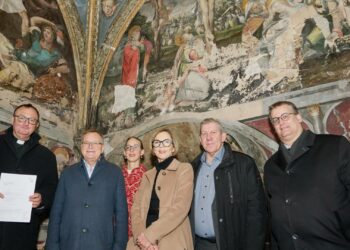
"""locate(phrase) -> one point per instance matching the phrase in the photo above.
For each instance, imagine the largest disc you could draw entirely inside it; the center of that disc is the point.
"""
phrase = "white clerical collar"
(20, 142)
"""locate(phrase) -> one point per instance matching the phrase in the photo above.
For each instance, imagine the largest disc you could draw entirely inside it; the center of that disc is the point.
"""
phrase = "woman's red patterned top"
(132, 183)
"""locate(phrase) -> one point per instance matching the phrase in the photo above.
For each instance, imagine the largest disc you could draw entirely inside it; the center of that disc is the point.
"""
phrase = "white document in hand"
(16, 188)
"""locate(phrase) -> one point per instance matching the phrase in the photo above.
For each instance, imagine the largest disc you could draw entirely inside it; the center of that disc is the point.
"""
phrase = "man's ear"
(223, 137)
(299, 118)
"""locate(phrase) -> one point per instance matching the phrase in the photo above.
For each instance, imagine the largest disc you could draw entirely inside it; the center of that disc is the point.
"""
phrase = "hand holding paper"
(36, 199)
(15, 205)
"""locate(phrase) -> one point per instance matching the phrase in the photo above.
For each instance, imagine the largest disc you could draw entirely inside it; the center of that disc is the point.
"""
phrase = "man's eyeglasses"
(132, 147)
(210, 133)
(283, 117)
(165, 143)
(23, 119)
(92, 144)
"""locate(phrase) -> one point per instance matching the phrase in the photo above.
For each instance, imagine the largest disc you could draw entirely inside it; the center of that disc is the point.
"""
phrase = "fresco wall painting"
(35, 52)
(197, 56)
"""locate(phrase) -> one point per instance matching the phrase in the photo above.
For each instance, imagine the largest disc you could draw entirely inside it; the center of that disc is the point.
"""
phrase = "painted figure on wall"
(131, 57)
(207, 16)
(12, 71)
(161, 18)
(33, 50)
(193, 85)
(108, 15)
(147, 52)
(44, 51)
(132, 63)
(190, 68)
(189, 82)
(44, 58)
(283, 38)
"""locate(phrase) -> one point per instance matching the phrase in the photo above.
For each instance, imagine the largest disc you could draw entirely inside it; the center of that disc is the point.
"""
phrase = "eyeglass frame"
(162, 143)
(282, 117)
(23, 119)
(133, 147)
(92, 144)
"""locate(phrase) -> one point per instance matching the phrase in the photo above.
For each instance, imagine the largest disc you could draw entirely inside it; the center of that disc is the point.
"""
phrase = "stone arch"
(250, 140)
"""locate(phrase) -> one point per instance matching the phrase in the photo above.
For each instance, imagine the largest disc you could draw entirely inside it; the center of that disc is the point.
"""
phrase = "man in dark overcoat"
(90, 210)
(21, 153)
(308, 185)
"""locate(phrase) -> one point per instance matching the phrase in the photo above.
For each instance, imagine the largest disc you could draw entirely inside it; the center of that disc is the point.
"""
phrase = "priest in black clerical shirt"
(21, 153)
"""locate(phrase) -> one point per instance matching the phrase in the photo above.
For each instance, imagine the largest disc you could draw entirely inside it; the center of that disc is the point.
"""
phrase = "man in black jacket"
(308, 183)
(229, 207)
(21, 153)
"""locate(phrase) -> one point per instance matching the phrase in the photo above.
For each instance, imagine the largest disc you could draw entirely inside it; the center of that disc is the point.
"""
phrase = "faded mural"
(35, 52)
(200, 55)
(338, 121)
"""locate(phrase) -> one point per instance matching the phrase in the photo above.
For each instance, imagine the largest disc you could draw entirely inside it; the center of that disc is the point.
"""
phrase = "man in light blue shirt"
(229, 210)
(204, 195)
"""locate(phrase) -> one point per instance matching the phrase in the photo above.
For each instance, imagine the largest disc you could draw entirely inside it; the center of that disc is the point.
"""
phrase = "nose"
(208, 137)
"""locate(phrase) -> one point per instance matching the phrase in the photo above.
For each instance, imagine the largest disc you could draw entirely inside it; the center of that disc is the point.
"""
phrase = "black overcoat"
(239, 207)
(310, 197)
(37, 160)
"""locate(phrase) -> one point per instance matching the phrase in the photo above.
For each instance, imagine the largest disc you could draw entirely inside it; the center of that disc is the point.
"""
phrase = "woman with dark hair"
(159, 214)
(133, 170)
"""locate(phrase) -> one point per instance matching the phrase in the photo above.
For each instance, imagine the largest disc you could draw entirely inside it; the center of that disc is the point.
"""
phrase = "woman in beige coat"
(159, 214)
